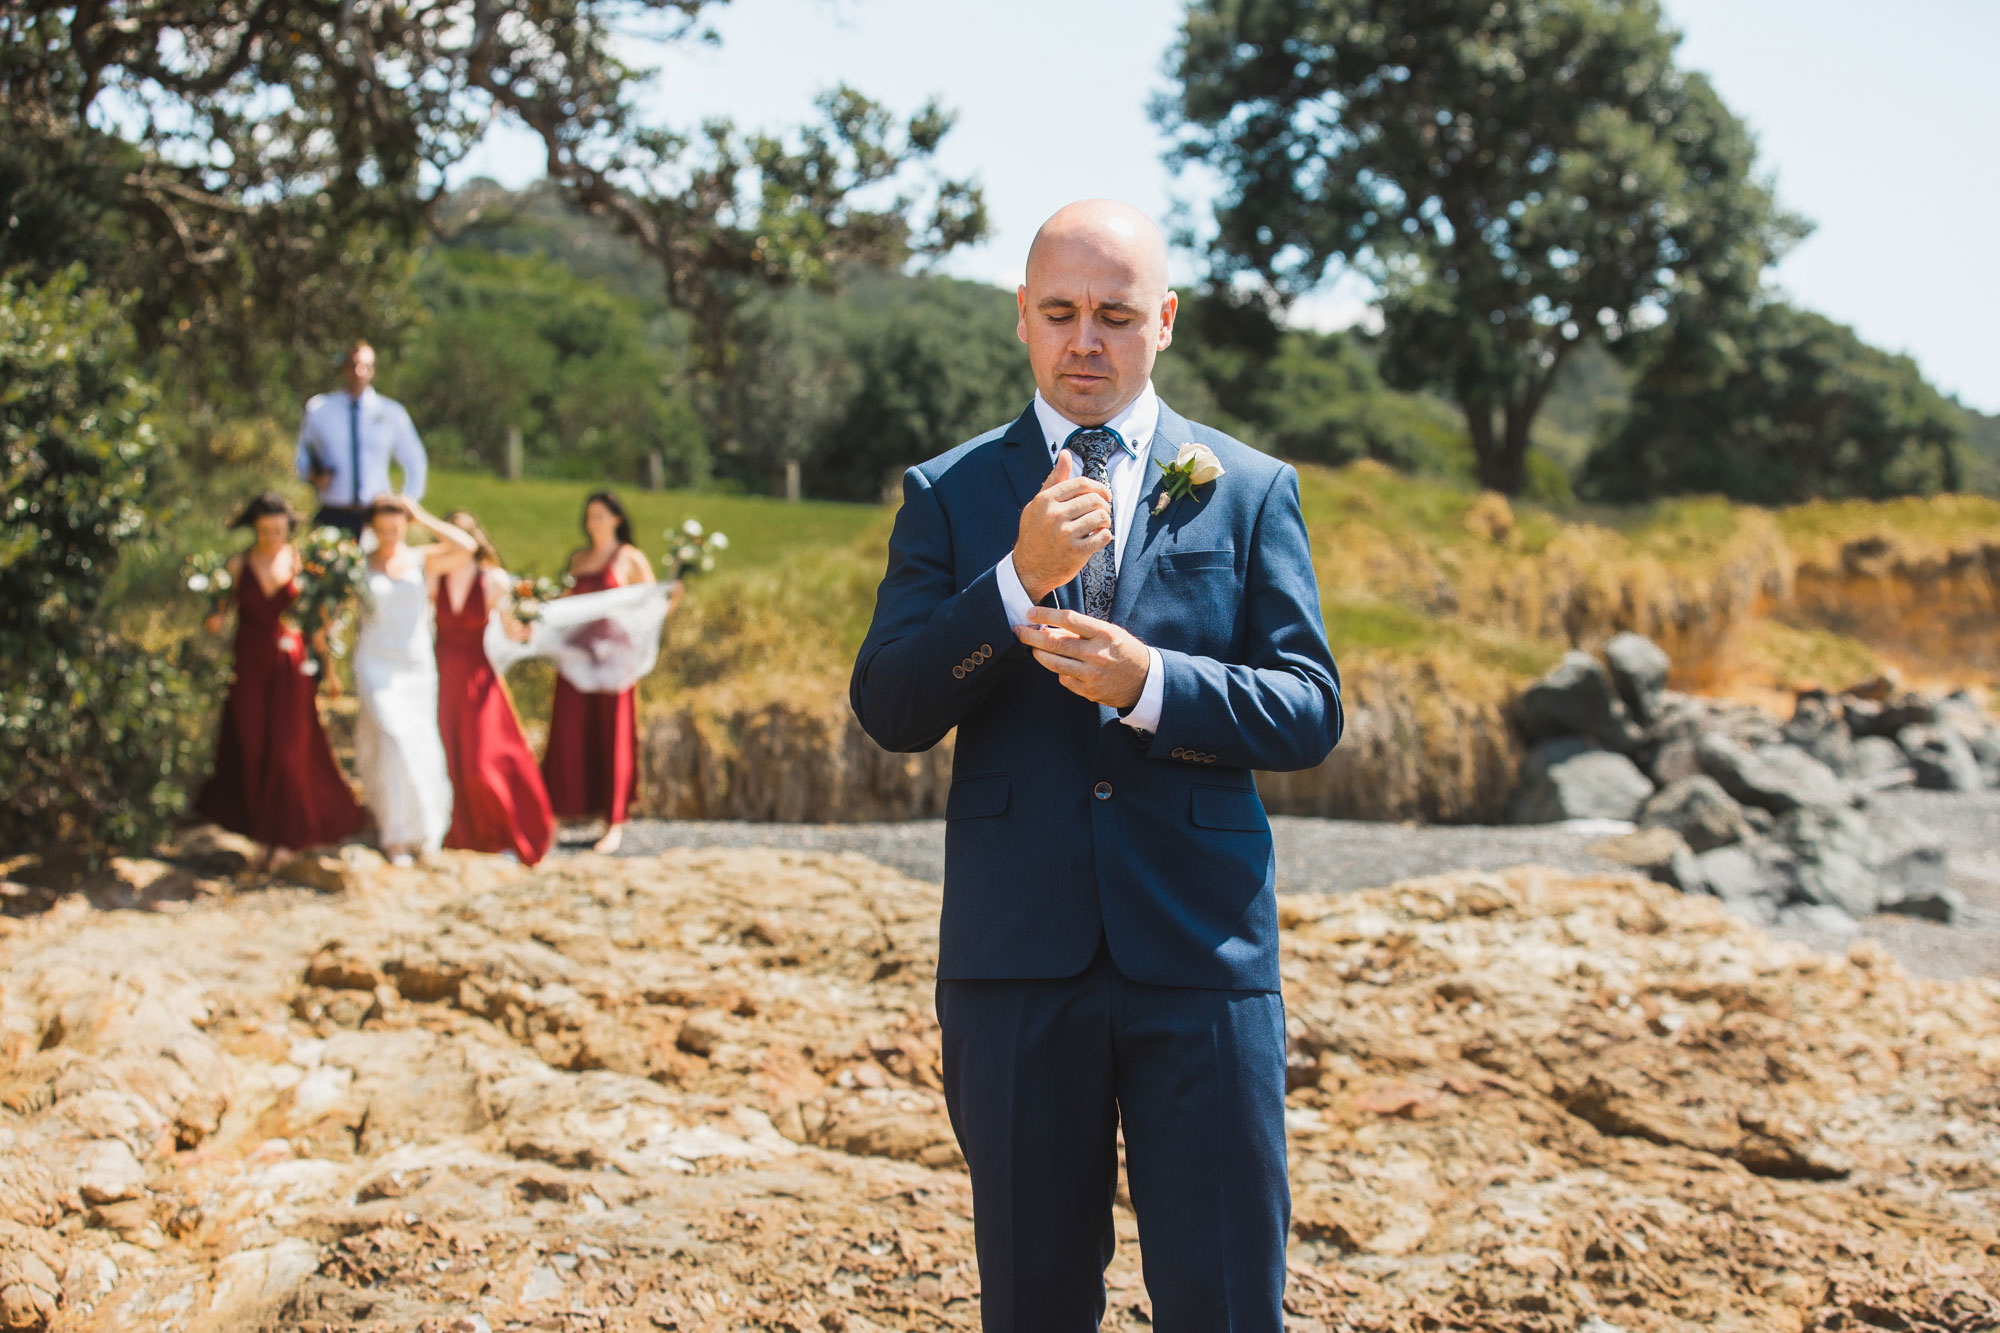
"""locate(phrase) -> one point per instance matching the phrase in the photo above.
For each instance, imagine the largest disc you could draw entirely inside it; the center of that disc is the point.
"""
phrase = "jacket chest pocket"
(1197, 564)
(1192, 603)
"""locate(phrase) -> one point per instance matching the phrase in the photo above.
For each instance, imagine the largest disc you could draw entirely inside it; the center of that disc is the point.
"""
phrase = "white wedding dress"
(404, 780)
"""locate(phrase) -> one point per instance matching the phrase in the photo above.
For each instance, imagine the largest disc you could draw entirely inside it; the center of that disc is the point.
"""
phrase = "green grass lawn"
(536, 524)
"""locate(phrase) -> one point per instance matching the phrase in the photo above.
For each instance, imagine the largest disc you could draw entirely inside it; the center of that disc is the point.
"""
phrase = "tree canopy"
(261, 167)
(1782, 405)
(1516, 177)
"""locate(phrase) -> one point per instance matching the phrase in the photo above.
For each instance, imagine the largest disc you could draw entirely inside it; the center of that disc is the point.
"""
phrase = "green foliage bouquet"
(208, 576)
(331, 568)
(694, 550)
(532, 594)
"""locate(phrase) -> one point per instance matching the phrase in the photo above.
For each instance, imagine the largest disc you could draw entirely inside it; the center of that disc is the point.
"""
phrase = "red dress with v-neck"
(498, 801)
(275, 778)
(592, 761)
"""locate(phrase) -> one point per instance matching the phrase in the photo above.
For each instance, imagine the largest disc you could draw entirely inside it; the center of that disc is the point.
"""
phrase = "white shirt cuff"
(1013, 596)
(1145, 715)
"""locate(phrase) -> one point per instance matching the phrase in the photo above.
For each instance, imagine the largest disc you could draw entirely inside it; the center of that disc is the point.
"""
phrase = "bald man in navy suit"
(1119, 654)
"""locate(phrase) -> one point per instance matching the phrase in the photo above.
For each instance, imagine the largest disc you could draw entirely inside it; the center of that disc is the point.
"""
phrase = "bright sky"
(1878, 123)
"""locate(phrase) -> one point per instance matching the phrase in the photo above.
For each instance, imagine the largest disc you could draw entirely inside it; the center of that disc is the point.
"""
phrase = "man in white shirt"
(347, 441)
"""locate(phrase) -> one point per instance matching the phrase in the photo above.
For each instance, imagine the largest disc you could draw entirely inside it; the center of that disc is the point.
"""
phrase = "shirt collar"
(366, 394)
(1134, 422)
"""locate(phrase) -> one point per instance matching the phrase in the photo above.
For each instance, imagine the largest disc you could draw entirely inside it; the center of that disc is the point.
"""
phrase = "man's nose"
(1086, 338)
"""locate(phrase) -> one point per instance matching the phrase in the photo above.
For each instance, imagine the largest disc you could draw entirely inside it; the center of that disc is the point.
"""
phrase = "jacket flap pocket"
(1187, 560)
(975, 798)
(1229, 808)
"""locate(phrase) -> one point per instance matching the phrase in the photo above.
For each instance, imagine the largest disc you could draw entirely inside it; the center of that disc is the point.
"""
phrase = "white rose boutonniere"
(1195, 465)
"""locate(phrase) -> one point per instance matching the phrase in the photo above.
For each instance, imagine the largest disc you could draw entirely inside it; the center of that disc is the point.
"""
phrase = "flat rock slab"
(701, 1091)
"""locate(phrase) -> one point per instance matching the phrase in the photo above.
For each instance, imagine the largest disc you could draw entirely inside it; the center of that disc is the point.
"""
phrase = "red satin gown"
(498, 802)
(592, 761)
(275, 778)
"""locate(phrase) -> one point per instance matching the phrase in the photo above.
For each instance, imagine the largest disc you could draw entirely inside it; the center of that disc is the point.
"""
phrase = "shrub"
(96, 739)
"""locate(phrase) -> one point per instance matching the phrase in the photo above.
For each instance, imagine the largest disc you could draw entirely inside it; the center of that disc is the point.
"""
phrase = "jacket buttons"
(1102, 791)
(970, 663)
(1179, 753)
(959, 672)
(985, 650)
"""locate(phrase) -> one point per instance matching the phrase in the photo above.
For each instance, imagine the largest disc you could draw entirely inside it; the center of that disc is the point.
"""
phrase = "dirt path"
(699, 1092)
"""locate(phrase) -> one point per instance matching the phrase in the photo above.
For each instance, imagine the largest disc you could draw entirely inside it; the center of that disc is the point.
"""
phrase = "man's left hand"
(1094, 658)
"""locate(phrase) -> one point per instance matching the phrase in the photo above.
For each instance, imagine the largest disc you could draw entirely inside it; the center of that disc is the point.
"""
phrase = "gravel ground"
(1336, 855)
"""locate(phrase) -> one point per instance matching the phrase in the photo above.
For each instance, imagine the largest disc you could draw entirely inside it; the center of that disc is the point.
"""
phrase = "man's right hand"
(1067, 522)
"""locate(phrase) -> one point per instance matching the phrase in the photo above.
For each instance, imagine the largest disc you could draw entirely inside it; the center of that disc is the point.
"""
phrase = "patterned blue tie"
(1092, 447)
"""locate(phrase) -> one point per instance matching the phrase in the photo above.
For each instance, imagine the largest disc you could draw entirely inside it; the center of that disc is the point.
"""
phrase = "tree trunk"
(1500, 457)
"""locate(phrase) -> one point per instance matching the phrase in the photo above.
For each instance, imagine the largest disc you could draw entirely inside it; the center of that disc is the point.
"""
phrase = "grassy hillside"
(1414, 574)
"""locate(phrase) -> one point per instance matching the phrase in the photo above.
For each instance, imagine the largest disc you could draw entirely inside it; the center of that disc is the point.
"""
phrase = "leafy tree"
(1516, 177)
(1781, 406)
(585, 373)
(1311, 397)
(935, 362)
(94, 739)
(276, 159)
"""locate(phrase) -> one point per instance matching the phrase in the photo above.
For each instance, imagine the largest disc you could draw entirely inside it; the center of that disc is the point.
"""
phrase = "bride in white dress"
(396, 745)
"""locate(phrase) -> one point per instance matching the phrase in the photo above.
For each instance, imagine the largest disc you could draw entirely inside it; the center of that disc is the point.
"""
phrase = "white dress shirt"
(327, 434)
(1125, 474)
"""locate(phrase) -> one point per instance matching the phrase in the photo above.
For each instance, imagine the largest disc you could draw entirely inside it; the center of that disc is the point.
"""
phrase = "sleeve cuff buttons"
(972, 663)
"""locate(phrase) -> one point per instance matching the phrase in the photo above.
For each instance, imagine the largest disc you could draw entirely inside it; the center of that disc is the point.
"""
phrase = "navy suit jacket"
(1065, 827)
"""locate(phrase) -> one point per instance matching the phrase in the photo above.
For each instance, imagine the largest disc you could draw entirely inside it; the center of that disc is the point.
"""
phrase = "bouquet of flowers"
(208, 576)
(693, 549)
(331, 570)
(532, 594)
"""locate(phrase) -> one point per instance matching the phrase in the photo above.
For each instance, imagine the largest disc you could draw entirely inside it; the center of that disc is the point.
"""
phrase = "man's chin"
(1086, 407)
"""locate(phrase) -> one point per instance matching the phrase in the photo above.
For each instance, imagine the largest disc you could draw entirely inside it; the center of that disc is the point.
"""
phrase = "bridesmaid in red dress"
(499, 803)
(592, 761)
(275, 779)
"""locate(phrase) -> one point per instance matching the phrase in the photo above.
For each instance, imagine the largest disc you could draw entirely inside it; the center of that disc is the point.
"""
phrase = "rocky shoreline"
(1777, 818)
(699, 1091)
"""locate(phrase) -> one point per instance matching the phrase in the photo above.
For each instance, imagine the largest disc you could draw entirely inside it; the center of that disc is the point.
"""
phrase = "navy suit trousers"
(1040, 1075)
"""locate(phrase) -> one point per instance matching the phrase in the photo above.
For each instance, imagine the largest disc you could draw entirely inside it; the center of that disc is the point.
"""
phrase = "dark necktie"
(354, 445)
(1092, 447)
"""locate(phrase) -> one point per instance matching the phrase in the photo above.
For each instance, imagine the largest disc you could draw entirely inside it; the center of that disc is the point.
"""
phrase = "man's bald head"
(1095, 309)
(1110, 232)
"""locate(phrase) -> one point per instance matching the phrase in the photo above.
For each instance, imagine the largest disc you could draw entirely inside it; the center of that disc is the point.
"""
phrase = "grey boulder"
(1750, 878)
(1832, 860)
(1575, 779)
(1639, 670)
(1674, 760)
(1941, 758)
(1875, 760)
(1818, 729)
(1576, 699)
(1910, 862)
(1773, 777)
(1699, 810)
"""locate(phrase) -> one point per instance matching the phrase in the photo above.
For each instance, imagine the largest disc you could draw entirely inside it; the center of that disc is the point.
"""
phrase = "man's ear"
(1168, 309)
(1021, 307)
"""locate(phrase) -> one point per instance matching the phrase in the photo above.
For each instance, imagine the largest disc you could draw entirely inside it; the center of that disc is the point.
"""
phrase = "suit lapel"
(1142, 548)
(1025, 456)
